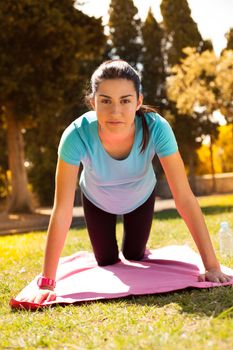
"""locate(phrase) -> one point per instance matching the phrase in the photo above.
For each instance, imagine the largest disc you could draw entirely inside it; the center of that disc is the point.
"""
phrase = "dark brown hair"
(120, 69)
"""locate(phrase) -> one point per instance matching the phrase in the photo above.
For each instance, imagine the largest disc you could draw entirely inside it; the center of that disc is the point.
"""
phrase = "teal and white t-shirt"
(116, 186)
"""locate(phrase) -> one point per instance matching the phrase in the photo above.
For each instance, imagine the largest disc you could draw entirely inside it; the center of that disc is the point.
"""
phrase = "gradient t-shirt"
(116, 186)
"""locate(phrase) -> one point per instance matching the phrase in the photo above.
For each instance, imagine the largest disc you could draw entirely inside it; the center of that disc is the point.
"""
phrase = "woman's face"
(116, 103)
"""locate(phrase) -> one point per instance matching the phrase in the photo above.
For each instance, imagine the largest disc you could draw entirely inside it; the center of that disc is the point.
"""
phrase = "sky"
(213, 17)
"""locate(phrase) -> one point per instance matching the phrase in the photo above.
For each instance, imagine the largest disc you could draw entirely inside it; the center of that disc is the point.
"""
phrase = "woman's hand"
(38, 296)
(215, 276)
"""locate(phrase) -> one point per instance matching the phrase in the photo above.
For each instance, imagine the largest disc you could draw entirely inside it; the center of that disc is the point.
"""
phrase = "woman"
(116, 143)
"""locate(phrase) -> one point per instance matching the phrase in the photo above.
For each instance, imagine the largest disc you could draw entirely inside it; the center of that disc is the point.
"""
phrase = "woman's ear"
(92, 103)
(139, 102)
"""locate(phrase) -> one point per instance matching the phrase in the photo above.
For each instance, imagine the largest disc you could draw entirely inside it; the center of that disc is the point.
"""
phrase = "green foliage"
(192, 88)
(200, 85)
(229, 37)
(42, 153)
(48, 49)
(189, 135)
(153, 75)
(190, 319)
(224, 84)
(124, 25)
(42, 141)
(203, 83)
(192, 84)
(181, 30)
(38, 53)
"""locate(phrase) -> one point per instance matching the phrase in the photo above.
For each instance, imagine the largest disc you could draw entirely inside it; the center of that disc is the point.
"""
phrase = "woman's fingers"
(39, 299)
(215, 276)
(226, 278)
(39, 296)
(51, 296)
(46, 295)
(201, 278)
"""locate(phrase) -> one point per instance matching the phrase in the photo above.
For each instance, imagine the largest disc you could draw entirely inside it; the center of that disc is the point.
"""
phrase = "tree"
(124, 26)
(41, 150)
(229, 37)
(42, 44)
(153, 75)
(203, 82)
(224, 148)
(189, 136)
(192, 83)
(194, 90)
(224, 84)
(181, 30)
(222, 153)
(4, 187)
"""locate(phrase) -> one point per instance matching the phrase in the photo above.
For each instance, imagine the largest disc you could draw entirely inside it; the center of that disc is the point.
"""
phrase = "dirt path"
(24, 223)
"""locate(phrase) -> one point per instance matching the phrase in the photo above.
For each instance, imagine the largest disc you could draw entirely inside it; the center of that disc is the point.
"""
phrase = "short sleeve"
(71, 148)
(164, 138)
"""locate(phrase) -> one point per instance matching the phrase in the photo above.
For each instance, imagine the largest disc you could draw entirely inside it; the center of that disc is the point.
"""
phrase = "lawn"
(191, 319)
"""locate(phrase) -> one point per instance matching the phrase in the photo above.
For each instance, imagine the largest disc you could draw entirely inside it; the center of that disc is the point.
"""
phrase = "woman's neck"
(113, 137)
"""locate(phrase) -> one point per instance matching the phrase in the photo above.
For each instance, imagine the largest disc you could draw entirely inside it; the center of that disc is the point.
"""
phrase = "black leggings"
(101, 227)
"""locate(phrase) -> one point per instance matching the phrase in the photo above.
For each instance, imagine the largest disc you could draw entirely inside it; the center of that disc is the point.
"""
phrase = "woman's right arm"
(60, 221)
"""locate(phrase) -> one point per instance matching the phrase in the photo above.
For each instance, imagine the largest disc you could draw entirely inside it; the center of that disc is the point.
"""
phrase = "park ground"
(24, 223)
(189, 319)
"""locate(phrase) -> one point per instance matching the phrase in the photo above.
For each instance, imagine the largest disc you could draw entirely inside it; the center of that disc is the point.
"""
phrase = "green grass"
(190, 319)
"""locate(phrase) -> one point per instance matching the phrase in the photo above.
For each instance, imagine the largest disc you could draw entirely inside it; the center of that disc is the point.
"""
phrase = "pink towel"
(167, 269)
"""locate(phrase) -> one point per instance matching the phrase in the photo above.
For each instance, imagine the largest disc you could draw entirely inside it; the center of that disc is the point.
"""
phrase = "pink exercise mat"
(167, 269)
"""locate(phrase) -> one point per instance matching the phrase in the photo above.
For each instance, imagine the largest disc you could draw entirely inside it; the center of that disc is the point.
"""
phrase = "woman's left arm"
(188, 207)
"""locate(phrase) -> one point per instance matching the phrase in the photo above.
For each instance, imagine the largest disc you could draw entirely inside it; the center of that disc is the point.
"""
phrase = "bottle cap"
(224, 224)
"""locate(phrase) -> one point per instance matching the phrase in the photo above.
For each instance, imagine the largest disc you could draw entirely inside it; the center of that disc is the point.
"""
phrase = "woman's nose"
(116, 108)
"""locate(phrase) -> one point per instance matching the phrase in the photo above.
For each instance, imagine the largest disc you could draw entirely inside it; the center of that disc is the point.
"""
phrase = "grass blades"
(189, 319)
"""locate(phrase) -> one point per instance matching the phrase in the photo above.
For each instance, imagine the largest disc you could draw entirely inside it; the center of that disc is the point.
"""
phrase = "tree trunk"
(19, 200)
(212, 166)
(6, 183)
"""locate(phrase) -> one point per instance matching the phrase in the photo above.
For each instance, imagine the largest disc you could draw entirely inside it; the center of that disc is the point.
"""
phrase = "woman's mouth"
(115, 122)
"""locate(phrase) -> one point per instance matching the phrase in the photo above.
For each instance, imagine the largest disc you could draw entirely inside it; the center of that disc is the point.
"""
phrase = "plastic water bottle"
(226, 239)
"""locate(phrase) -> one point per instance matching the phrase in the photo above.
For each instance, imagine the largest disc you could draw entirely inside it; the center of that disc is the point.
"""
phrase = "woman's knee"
(133, 256)
(105, 262)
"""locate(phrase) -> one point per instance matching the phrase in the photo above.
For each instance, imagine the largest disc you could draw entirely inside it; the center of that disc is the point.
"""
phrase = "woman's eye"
(105, 101)
(125, 101)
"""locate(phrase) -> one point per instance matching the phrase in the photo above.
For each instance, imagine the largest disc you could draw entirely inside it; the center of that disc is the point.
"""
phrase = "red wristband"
(46, 282)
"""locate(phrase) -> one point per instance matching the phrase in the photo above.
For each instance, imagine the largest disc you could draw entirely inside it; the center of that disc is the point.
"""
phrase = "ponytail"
(145, 130)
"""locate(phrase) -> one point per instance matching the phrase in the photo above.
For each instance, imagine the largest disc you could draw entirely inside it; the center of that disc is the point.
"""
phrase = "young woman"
(116, 143)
